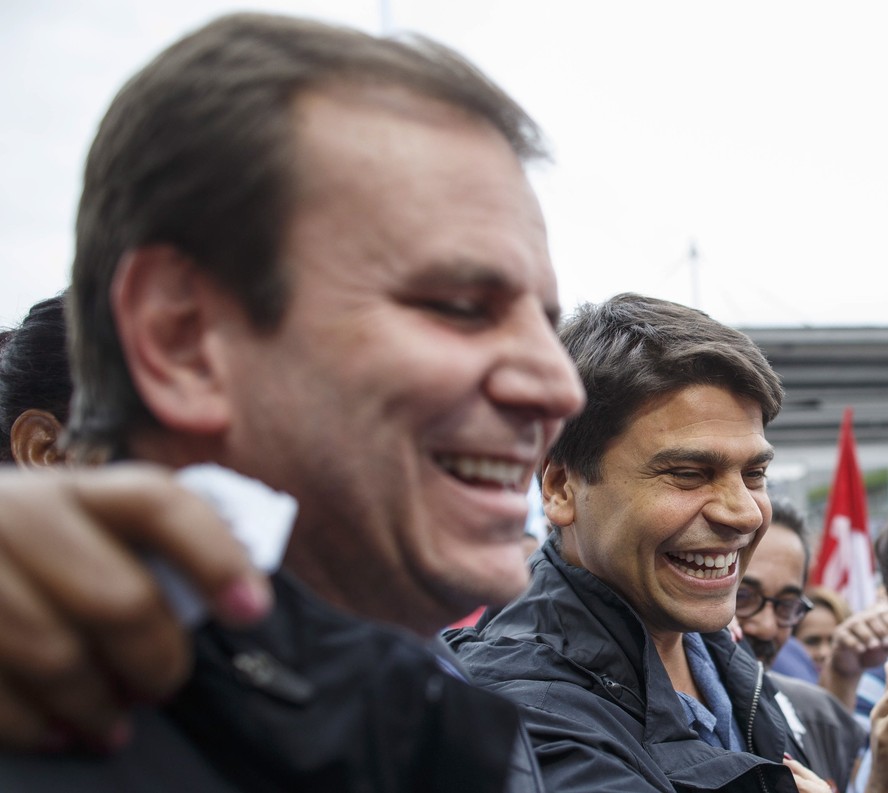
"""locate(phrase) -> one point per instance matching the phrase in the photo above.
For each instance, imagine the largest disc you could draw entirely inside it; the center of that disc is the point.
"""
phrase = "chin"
(707, 622)
(495, 583)
(713, 625)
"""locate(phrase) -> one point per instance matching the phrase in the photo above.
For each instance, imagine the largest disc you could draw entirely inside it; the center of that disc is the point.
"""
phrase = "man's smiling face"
(417, 378)
(678, 509)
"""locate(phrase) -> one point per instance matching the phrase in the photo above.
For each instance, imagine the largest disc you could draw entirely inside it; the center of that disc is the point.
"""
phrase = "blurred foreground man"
(656, 495)
(770, 602)
(312, 257)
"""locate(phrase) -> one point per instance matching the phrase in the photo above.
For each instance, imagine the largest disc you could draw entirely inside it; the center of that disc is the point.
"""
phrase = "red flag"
(846, 562)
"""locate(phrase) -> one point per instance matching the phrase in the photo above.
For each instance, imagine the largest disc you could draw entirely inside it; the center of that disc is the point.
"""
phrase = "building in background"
(825, 370)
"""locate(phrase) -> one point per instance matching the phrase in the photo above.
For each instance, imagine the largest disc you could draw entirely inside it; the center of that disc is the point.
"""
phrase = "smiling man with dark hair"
(656, 496)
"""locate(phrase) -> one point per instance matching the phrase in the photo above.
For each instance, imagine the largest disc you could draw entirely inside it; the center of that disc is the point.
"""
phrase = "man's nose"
(762, 625)
(735, 506)
(536, 373)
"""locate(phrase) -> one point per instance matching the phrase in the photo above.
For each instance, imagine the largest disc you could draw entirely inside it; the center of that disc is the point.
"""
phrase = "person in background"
(856, 644)
(656, 495)
(815, 631)
(872, 777)
(854, 671)
(770, 603)
(35, 386)
(313, 257)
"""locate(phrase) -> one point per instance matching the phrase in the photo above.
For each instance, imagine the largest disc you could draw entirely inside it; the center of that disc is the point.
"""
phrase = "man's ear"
(165, 310)
(34, 439)
(558, 494)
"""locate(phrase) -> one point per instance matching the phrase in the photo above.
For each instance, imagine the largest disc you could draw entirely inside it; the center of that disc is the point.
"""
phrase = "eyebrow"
(461, 272)
(787, 590)
(713, 459)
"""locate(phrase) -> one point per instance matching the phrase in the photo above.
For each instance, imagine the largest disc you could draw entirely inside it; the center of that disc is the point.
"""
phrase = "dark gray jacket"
(313, 700)
(597, 701)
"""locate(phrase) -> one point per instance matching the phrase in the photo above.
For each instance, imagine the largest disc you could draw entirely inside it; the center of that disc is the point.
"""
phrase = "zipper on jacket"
(613, 688)
(756, 696)
(261, 670)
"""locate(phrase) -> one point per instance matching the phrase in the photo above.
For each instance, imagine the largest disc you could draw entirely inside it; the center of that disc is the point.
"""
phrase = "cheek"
(409, 385)
(763, 572)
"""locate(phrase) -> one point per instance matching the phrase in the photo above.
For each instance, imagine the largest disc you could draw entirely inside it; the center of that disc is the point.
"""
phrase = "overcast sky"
(754, 131)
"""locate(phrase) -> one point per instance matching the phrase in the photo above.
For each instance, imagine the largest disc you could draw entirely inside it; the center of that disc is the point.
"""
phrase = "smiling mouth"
(483, 471)
(704, 566)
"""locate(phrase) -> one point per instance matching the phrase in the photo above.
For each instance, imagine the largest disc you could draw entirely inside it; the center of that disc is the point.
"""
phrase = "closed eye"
(457, 308)
(688, 476)
(756, 477)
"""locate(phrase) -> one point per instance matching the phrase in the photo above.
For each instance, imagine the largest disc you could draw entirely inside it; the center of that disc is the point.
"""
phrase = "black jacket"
(596, 698)
(313, 700)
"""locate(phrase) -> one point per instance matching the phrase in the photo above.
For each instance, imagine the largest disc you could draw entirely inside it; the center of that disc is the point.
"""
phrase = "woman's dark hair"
(34, 370)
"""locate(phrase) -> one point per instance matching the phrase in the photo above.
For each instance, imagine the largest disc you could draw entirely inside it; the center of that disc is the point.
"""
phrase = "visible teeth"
(706, 566)
(485, 469)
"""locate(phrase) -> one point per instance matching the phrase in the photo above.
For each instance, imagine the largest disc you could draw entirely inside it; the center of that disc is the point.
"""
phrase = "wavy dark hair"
(631, 349)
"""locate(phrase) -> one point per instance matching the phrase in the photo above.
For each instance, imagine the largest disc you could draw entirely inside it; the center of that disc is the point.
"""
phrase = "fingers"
(861, 641)
(49, 684)
(180, 528)
(735, 629)
(84, 627)
(806, 780)
(867, 630)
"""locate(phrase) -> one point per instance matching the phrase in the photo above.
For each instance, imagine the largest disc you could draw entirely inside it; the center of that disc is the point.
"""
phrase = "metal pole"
(694, 262)
(386, 22)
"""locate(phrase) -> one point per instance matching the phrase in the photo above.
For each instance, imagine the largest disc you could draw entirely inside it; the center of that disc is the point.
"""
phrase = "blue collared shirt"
(714, 721)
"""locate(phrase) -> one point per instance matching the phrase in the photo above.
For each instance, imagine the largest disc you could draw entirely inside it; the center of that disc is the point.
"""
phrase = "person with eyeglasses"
(770, 603)
(789, 610)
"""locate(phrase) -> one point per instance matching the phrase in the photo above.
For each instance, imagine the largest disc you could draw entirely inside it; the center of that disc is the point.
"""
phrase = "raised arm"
(860, 642)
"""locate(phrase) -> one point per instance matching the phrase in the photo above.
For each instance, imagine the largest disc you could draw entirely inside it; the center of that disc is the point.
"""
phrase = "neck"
(671, 650)
(381, 593)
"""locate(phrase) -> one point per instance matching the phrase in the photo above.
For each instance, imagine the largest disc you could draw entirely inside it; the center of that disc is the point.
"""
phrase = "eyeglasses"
(788, 611)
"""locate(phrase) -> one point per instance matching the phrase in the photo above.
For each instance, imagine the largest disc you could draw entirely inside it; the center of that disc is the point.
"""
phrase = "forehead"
(779, 559)
(820, 618)
(419, 185)
(699, 422)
